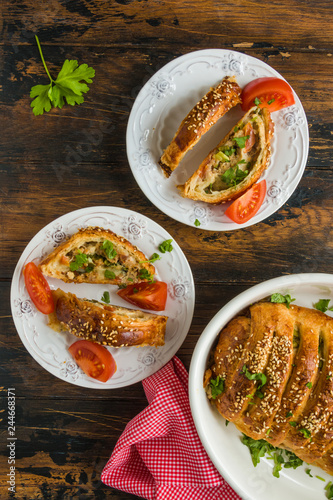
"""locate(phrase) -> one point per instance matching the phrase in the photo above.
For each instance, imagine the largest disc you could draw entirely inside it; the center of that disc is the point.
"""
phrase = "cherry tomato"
(247, 205)
(38, 288)
(151, 296)
(273, 93)
(95, 360)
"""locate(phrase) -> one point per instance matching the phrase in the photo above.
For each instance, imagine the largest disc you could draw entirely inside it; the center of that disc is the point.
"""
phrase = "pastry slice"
(106, 324)
(97, 255)
(236, 163)
(199, 120)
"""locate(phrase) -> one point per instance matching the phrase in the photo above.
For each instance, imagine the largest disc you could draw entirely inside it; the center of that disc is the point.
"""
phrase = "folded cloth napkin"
(159, 455)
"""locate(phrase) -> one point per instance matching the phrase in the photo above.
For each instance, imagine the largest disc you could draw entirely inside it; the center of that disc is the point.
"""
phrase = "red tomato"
(273, 93)
(247, 205)
(151, 296)
(94, 359)
(38, 288)
(250, 142)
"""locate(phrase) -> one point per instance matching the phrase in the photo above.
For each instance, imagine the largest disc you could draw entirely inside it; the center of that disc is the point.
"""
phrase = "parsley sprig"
(216, 386)
(282, 299)
(282, 458)
(322, 305)
(68, 86)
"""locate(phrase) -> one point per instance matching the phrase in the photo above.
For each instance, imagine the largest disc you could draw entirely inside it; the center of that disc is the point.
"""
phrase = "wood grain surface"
(50, 165)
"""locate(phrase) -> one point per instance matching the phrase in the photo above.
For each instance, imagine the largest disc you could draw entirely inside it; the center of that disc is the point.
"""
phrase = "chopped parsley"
(282, 299)
(152, 259)
(145, 275)
(106, 297)
(109, 274)
(240, 141)
(309, 385)
(108, 249)
(329, 490)
(216, 386)
(282, 458)
(257, 101)
(306, 433)
(308, 472)
(293, 423)
(256, 376)
(322, 305)
(197, 223)
(289, 414)
(234, 175)
(165, 246)
(227, 150)
(80, 260)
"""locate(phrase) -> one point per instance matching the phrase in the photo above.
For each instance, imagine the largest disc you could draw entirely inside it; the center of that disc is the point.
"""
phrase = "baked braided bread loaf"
(277, 367)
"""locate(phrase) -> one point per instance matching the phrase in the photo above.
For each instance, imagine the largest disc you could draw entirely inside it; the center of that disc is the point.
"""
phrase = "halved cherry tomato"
(38, 288)
(151, 296)
(94, 359)
(247, 205)
(273, 93)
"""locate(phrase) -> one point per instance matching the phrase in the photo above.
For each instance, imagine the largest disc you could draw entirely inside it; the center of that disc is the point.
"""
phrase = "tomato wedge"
(151, 296)
(95, 360)
(38, 288)
(273, 93)
(247, 205)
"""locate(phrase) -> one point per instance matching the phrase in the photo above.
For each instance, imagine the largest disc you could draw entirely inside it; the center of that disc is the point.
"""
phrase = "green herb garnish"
(282, 458)
(240, 141)
(216, 386)
(234, 175)
(257, 101)
(282, 299)
(106, 297)
(68, 85)
(271, 101)
(256, 376)
(166, 246)
(152, 259)
(108, 249)
(109, 274)
(308, 472)
(289, 414)
(329, 490)
(306, 433)
(322, 305)
(80, 260)
(309, 385)
(197, 223)
(145, 275)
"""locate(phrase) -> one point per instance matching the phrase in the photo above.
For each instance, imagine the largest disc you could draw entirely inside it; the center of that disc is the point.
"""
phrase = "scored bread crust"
(206, 183)
(106, 324)
(127, 264)
(293, 348)
(199, 120)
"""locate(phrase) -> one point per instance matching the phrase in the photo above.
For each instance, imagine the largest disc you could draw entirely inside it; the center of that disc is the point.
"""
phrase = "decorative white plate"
(166, 99)
(50, 349)
(223, 444)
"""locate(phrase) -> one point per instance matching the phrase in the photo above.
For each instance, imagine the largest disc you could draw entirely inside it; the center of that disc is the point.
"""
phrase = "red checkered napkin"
(159, 455)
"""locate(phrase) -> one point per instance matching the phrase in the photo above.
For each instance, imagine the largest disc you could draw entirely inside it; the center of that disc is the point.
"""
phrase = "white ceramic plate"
(223, 444)
(49, 348)
(166, 99)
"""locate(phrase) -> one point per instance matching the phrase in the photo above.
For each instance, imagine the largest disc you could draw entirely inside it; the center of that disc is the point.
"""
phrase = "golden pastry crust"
(211, 182)
(199, 120)
(109, 259)
(106, 324)
(291, 351)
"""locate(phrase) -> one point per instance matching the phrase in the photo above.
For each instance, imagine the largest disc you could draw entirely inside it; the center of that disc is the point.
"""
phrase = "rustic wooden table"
(65, 433)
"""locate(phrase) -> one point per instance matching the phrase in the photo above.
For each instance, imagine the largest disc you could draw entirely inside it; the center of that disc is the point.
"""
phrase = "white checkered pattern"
(159, 455)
